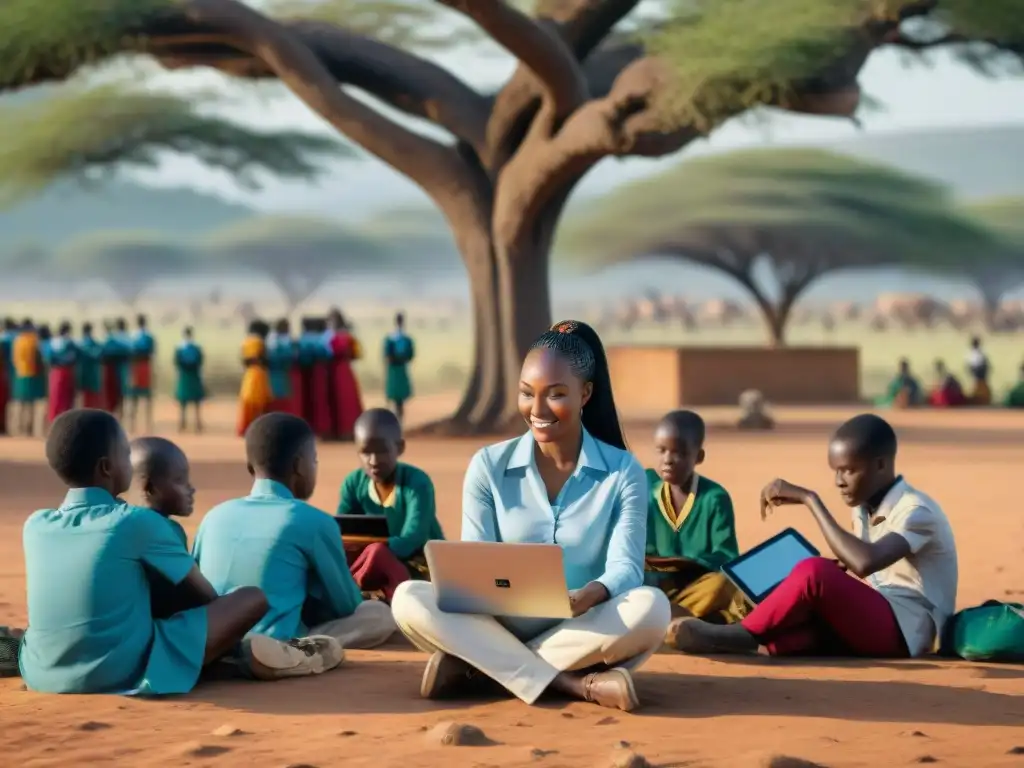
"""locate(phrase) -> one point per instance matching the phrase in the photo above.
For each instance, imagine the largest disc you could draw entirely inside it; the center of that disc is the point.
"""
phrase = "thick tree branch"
(582, 25)
(401, 79)
(537, 47)
(436, 168)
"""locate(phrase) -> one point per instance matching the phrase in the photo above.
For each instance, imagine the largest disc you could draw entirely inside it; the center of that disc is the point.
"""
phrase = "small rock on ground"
(626, 758)
(94, 725)
(450, 734)
(788, 761)
(227, 730)
(196, 749)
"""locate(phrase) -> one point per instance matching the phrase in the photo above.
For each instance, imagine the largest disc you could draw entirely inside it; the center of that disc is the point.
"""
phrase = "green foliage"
(98, 130)
(730, 55)
(56, 37)
(820, 206)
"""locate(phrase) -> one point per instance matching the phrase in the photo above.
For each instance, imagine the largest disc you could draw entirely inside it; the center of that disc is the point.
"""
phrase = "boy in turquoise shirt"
(691, 530)
(399, 492)
(87, 568)
(290, 549)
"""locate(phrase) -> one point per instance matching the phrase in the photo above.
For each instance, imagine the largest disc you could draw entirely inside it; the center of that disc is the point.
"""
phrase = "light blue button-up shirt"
(599, 517)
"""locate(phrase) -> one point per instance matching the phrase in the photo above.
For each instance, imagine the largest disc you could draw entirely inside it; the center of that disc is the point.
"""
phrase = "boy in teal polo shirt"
(690, 525)
(87, 568)
(290, 549)
(401, 493)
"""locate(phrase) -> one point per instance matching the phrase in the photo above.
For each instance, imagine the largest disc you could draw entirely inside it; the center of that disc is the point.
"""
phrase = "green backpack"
(992, 631)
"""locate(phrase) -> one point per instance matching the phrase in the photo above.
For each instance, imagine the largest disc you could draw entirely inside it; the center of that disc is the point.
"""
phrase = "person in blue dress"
(282, 354)
(399, 351)
(88, 566)
(569, 481)
(89, 376)
(189, 389)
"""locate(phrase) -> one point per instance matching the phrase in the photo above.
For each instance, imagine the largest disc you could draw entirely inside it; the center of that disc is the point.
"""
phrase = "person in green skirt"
(28, 363)
(1015, 397)
(399, 351)
(188, 361)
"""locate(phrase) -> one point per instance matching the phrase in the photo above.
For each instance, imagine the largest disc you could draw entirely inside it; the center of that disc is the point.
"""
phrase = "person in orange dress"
(255, 396)
(346, 401)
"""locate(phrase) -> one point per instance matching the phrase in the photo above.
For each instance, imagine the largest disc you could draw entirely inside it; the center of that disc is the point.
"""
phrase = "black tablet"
(757, 572)
(363, 525)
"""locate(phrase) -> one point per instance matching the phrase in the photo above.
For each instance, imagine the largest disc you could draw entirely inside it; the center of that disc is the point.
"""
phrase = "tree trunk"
(525, 294)
(991, 297)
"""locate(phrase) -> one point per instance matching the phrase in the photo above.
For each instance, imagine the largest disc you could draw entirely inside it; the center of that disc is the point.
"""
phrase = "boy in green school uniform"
(690, 525)
(275, 540)
(399, 492)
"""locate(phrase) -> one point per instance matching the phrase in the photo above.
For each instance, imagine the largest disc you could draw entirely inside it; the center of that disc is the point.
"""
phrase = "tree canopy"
(299, 254)
(126, 261)
(93, 132)
(594, 79)
(804, 213)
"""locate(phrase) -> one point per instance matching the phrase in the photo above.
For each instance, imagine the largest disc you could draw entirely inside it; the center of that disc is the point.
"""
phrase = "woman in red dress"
(345, 398)
(63, 357)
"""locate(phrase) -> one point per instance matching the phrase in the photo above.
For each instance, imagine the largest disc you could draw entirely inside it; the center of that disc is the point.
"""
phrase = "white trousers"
(369, 626)
(622, 632)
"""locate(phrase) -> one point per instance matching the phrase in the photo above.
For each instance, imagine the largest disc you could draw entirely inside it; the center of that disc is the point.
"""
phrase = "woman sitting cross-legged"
(569, 481)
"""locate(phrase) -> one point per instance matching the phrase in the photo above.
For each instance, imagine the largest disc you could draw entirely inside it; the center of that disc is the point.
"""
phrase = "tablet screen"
(363, 525)
(764, 569)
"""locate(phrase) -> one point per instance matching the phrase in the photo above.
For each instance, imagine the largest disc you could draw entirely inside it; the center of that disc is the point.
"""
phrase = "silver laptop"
(514, 580)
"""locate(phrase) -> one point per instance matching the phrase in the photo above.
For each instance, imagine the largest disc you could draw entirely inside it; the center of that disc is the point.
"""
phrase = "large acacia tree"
(791, 216)
(582, 92)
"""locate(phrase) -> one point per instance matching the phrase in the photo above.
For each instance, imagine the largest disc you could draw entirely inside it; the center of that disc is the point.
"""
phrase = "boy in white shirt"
(901, 552)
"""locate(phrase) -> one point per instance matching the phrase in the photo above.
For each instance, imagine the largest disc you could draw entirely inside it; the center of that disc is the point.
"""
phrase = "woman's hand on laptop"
(582, 600)
(779, 492)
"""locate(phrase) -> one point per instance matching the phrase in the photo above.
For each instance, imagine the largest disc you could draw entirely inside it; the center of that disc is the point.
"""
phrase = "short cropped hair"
(867, 436)
(274, 440)
(688, 425)
(77, 441)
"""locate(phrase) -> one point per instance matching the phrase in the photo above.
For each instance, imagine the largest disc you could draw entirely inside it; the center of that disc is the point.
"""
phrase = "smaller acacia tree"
(128, 262)
(1000, 270)
(803, 213)
(298, 254)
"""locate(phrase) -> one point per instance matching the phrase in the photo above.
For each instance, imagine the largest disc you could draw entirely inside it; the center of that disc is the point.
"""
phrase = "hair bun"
(566, 326)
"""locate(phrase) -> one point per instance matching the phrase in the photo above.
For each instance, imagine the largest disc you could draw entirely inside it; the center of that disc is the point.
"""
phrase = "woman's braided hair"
(580, 346)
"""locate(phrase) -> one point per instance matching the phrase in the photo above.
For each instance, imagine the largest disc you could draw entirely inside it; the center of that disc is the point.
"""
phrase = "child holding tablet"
(691, 531)
(901, 552)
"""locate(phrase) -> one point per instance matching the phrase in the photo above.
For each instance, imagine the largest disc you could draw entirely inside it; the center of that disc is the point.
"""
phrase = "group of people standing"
(311, 375)
(114, 373)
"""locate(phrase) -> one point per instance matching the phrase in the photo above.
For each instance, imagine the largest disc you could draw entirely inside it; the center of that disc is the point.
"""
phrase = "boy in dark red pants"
(895, 583)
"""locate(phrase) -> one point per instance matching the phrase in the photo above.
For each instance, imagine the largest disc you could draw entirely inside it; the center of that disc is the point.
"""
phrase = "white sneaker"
(272, 659)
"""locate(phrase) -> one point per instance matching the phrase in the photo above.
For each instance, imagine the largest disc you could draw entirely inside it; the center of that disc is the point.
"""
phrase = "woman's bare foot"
(701, 638)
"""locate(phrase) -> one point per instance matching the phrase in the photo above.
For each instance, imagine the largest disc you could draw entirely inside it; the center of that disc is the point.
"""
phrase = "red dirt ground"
(698, 712)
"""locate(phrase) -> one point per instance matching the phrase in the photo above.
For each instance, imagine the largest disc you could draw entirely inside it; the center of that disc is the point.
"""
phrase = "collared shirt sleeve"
(624, 565)
(160, 547)
(915, 524)
(420, 510)
(331, 582)
(479, 516)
